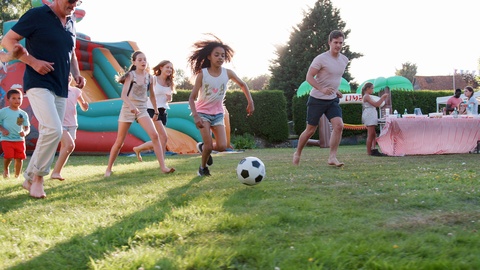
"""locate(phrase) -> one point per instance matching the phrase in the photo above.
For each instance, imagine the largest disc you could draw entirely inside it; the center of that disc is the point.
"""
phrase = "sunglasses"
(78, 2)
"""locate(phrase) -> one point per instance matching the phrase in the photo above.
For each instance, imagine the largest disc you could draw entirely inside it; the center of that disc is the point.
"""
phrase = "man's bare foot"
(296, 159)
(36, 189)
(57, 176)
(335, 162)
(6, 174)
(137, 152)
(168, 170)
(108, 173)
(26, 184)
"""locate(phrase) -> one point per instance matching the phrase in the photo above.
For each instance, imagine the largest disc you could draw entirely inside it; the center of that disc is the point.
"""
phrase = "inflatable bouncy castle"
(99, 63)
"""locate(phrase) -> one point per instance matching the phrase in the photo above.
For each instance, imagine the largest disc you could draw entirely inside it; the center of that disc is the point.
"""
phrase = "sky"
(437, 36)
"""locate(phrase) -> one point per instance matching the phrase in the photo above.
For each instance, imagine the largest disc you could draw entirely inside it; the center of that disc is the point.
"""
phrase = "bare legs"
(302, 141)
(337, 125)
(371, 135)
(148, 126)
(208, 144)
(6, 165)
(35, 186)
(162, 133)
(17, 167)
(67, 146)
(121, 134)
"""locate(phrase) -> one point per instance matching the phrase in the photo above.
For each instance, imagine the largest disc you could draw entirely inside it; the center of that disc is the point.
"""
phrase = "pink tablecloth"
(427, 136)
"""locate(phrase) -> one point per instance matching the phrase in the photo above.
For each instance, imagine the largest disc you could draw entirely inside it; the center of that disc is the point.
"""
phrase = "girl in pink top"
(70, 126)
(208, 94)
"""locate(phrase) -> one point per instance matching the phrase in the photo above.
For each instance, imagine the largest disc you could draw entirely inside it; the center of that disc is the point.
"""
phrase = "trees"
(257, 83)
(307, 40)
(408, 71)
(182, 81)
(12, 10)
(469, 78)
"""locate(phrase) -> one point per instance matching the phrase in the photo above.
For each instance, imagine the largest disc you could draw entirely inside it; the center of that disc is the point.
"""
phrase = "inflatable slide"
(99, 63)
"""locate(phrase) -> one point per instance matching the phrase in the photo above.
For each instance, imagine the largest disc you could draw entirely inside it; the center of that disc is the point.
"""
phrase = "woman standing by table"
(472, 103)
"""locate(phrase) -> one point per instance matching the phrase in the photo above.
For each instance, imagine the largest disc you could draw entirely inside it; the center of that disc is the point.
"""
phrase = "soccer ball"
(250, 171)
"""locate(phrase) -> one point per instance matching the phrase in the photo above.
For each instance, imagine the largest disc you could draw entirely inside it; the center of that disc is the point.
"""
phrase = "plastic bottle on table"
(395, 113)
(455, 113)
(405, 112)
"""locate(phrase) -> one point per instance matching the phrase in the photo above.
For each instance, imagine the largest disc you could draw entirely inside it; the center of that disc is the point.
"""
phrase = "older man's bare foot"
(296, 159)
(57, 176)
(137, 152)
(168, 170)
(26, 184)
(108, 173)
(335, 162)
(36, 189)
(6, 174)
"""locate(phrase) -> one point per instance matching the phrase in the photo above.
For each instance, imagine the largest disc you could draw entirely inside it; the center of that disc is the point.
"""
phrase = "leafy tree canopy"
(12, 10)
(408, 71)
(307, 40)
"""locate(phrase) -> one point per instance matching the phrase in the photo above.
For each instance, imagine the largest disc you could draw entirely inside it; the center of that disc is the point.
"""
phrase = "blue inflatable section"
(102, 116)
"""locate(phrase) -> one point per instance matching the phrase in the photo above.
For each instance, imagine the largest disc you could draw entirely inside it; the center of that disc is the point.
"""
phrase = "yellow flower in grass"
(395, 246)
(310, 259)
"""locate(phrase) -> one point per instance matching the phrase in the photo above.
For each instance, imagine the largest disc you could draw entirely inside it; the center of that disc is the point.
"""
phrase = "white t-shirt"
(161, 93)
(330, 71)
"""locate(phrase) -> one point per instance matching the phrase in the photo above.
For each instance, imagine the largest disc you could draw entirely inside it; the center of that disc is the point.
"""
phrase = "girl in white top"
(370, 117)
(164, 88)
(70, 125)
(206, 99)
(472, 103)
(135, 108)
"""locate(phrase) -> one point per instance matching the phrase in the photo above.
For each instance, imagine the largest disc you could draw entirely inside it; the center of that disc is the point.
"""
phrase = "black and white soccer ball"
(250, 171)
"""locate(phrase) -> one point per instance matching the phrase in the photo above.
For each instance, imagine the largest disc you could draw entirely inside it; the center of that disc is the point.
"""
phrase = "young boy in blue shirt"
(15, 126)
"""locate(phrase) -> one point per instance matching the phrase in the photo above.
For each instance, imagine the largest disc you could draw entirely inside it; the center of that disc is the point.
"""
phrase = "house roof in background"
(438, 82)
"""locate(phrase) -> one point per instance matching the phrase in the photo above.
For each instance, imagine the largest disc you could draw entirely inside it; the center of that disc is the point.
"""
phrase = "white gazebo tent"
(443, 100)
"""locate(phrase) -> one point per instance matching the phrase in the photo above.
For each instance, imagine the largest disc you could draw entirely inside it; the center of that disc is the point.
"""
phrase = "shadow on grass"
(79, 251)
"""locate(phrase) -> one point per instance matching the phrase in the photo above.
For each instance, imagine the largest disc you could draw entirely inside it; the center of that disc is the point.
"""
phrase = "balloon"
(359, 89)
(39, 3)
(305, 87)
(394, 83)
(344, 86)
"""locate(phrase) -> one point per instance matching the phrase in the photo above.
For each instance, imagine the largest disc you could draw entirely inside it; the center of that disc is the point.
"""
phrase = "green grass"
(415, 212)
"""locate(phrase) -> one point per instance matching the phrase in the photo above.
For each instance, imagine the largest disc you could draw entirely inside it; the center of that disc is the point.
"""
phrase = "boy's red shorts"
(15, 150)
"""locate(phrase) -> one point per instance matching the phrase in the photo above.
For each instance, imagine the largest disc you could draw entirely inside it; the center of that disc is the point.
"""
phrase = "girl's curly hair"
(202, 49)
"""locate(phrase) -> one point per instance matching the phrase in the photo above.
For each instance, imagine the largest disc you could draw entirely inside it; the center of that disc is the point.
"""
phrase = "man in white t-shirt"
(325, 74)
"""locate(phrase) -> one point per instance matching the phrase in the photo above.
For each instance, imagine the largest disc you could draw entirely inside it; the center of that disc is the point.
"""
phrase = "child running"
(15, 126)
(136, 82)
(70, 125)
(164, 87)
(208, 95)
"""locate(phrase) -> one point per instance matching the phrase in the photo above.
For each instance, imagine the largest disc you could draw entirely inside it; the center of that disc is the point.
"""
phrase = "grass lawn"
(414, 212)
